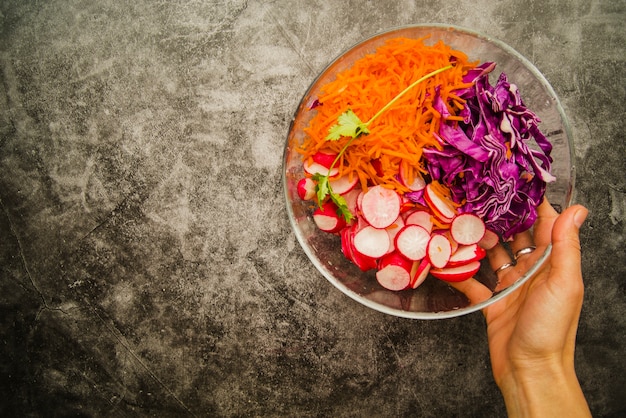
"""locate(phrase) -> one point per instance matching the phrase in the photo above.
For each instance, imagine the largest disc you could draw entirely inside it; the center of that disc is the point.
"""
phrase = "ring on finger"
(504, 267)
(526, 250)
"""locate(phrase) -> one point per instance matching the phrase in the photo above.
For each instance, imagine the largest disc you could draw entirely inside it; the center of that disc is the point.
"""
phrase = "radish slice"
(414, 185)
(363, 262)
(343, 184)
(351, 200)
(327, 219)
(372, 242)
(439, 250)
(442, 209)
(380, 206)
(421, 218)
(316, 168)
(412, 242)
(467, 229)
(489, 240)
(393, 230)
(324, 159)
(394, 272)
(466, 254)
(457, 274)
(419, 273)
(306, 188)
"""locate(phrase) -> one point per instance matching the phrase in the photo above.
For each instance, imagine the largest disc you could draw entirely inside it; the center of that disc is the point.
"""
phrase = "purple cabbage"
(487, 161)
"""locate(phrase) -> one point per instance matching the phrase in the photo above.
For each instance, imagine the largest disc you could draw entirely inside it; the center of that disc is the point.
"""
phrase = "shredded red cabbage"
(487, 161)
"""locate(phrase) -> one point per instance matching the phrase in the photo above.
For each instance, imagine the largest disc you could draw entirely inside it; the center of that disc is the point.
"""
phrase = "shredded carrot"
(403, 130)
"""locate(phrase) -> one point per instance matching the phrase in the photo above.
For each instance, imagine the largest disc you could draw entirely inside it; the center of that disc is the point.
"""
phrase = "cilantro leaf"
(342, 206)
(322, 188)
(348, 125)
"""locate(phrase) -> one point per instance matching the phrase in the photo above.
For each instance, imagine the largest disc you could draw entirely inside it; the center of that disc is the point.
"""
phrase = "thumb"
(565, 257)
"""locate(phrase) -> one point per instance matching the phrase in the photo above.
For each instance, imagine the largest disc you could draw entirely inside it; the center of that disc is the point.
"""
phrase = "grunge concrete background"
(148, 266)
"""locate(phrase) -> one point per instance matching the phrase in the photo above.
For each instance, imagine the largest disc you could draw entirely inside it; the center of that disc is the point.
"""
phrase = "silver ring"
(526, 250)
(504, 267)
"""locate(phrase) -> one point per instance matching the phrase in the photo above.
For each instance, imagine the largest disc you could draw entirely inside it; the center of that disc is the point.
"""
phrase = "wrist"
(547, 389)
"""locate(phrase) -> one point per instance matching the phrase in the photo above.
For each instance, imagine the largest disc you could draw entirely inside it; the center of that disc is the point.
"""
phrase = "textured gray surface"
(148, 267)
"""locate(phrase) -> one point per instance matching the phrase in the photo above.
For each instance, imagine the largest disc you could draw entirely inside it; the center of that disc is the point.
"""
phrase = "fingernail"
(580, 216)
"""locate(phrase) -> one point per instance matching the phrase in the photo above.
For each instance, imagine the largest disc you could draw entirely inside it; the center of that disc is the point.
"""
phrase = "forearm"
(550, 391)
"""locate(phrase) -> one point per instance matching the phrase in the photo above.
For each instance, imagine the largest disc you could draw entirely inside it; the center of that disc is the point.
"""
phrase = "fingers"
(546, 215)
(475, 291)
(565, 258)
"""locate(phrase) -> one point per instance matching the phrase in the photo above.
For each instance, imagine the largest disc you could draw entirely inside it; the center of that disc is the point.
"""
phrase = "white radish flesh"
(443, 209)
(439, 250)
(316, 168)
(421, 218)
(420, 273)
(327, 219)
(306, 188)
(416, 184)
(412, 242)
(456, 274)
(394, 272)
(466, 254)
(342, 185)
(467, 229)
(380, 206)
(371, 242)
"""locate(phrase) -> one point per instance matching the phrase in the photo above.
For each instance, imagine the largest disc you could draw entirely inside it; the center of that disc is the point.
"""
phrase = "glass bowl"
(434, 299)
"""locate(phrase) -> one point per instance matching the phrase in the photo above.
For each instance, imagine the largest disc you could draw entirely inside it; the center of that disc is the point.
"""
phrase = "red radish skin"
(363, 262)
(456, 274)
(421, 272)
(467, 229)
(421, 218)
(316, 168)
(466, 254)
(439, 250)
(324, 159)
(327, 219)
(489, 240)
(306, 188)
(394, 272)
(380, 206)
(442, 209)
(412, 242)
(372, 242)
(342, 185)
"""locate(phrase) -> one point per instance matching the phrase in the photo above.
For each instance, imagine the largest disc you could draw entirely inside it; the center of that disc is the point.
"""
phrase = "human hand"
(532, 331)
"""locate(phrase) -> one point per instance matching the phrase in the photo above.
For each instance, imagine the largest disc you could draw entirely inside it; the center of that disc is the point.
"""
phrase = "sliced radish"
(394, 272)
(421, 218)
(439, 250)
(372, 242)
(466, 254)
(378, 167)
(489, 240)
(412, 242)
(380, 206)
(306, 188)
(467, 228)
(456, 274)
(327, 219)
(393, 230)
(442, 209)
(343, 184)
(316, 168)
(419, 272)
(416, 184)
(363, 262)
(351, 199)
(324, 159)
